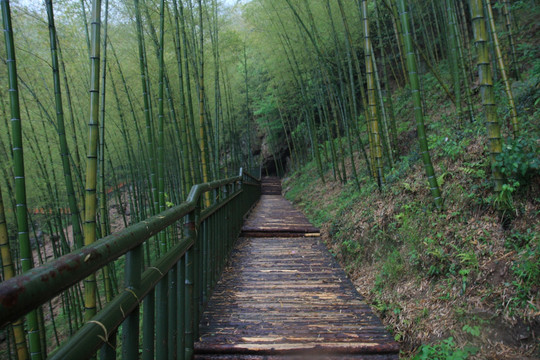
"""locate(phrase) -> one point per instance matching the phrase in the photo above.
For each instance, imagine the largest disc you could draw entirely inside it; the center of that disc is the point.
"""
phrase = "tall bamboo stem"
(486, 90)
(418, 112)
(502, 68)
(372, 105)
(26, 258)
(91, 162)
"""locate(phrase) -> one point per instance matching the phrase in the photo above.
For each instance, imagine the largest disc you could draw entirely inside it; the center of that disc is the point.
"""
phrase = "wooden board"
(285, 297)
(274, 214)
(318, 356)
(271, 185)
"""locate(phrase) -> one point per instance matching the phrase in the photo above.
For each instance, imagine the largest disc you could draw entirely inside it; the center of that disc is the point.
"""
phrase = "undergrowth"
(458, 283)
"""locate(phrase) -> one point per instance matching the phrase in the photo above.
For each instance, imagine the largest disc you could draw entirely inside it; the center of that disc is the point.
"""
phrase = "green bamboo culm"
(161, 118)
(202, 120)
(486, 90)
(60, 126)
(510, 33)
(372, 104)
(147, 113)
(8, 271)
(417, 100)
(108, 350)
(502, 68)
(25, 249)
(161, 288)
(462, 63)
(186, 158)
(454, 59)
(190, 118)
(91, 162)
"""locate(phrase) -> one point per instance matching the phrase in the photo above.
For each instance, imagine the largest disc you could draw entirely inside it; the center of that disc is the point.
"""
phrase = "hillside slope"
(451, 283)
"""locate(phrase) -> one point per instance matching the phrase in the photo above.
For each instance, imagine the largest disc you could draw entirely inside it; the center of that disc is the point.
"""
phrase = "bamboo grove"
(124, 84)
(121, 107)
(341, 61)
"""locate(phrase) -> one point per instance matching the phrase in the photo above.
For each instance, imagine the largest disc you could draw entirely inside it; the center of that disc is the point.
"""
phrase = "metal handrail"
(33, 288)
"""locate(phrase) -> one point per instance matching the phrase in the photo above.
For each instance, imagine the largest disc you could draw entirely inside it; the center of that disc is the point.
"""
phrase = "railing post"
(230, 224)
(203, 251)
(172, 311)
(130, 328)
(197, 262)
(191, 302)
(181, 318)
(148, 326)
(161, 319)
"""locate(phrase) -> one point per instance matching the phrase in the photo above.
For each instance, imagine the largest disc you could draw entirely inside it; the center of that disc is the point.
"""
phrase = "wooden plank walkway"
(276, 217)
(285, 297)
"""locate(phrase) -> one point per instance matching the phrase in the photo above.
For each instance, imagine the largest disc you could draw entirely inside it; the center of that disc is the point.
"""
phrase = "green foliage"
(520, 164)
(474, 170)
(444, 350)
(517, 240)
(520, 159)
(472, 330)
(391, 270)
(451, 140)
(527, 270)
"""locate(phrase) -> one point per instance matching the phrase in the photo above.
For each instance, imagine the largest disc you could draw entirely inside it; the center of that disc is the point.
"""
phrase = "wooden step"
(271, 186)
(274, 216)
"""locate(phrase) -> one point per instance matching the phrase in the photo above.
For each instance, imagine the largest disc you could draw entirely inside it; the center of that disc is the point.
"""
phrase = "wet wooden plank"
(283, 296)
(311, 356)
(277, 217)
(286, 296)
(271, 185)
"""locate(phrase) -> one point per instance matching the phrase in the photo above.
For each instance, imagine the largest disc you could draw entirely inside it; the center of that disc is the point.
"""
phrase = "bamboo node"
(155, 268)
(104, 330)
(133, 293)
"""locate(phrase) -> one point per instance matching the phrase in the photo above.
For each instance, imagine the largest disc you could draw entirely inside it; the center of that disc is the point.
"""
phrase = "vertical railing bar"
(208, 257)
(190, 226)
(148, 326)
(181, 320)
(204, 258)
(223, 242)
(205, 262)
(130, 327)
(217, 225)
(203, 228)
(172, 313)
(161, 319)
(197, 273)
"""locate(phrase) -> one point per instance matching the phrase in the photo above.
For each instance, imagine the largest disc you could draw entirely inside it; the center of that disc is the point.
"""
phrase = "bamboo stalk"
(454, 60)
(508, 23)
(418, 112)
(91, 162)
(507, 87)
(372, 105)
(19, 173)
(8, 271)
(486, 86)
(202, 119)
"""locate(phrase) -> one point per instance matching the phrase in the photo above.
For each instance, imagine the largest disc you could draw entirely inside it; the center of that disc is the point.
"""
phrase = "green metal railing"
(170, 294)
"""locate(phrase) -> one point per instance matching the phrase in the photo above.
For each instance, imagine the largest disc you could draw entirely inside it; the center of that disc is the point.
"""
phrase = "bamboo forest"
(270, 179)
